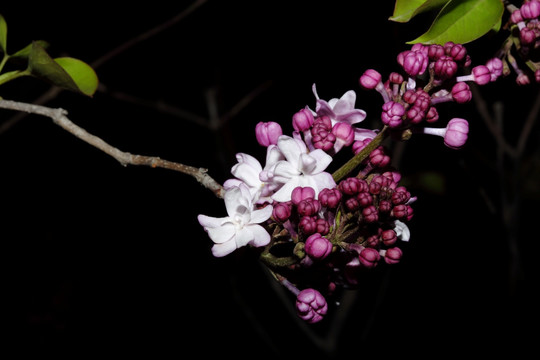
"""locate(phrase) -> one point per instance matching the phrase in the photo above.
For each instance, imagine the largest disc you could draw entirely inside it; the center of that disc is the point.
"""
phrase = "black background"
(104, 259)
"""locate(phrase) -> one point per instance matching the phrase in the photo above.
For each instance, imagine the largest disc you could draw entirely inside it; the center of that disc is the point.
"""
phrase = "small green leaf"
(405, 10)
(81, 73)
(3, 34)
(463, 21)
(24, 53)
(68, 73)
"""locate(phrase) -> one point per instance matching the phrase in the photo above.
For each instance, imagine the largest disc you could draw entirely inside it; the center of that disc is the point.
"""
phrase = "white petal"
(212, 222)
(307, 163)
(237, 198)
(243, 237)
(284, 194)
(260, 236)
(323, 180)
(346, 103)
(260, 215)
(402, 230)
(291, 149)
(322, 158)
(222, 234)
(283, 171)
(220, 250)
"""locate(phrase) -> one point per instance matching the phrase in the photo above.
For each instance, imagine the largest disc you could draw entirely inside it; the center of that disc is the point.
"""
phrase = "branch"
(59, 117)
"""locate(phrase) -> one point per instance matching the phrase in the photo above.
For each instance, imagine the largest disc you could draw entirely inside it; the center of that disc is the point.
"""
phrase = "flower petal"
(322, 160)
(323, 180)
(352, 116)
(260, 236)
(291, 149)
(284, 194)
(220, 250)
(362, 134)
(222, 234)
(212, 222)
(260, 215)
(243, 236)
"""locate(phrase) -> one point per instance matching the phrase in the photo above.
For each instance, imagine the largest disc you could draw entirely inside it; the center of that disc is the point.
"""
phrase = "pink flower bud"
(267, 133)
(370, 79)
(461, 93)
(432, 115)
(308, 207)
(516, 17)
(530, 9)
(527, 36)
(308, 225)
(392, 113)
(522, 79)
(495, 66)
(352, 185)
(445, 67)
(482, 75)
(330, 198)
(435, 51)
(369, 257)
(318, 247)
(456, 133)
(537, 75)
(302, 120)
(370, 214)
(457, 51)
(344, 133)
(414, 62)
(364, 199)
(301, 193)
(393, 255)
(311, 306)
(378, 157)
(388, 237)
(281, 211)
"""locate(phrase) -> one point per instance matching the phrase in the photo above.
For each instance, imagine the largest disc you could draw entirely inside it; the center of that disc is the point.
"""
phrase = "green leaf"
(24, 53)
(68, 73)
(81, 73)
(463, 21)
(3, 34)
(405, 10)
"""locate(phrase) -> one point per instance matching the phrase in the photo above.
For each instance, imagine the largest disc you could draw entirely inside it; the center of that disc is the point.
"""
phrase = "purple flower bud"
(369, 257)
(318, 247)
(445, 67)
(516, 17)
(344, 133)
(495, 66)
(456, 51)
(301, 193)
(388, 237)
(530, 9)
(461, 93)
(311, 306)
(370, 214)
(364, 199)
(537, 75)
(378, 157)
(322, 226)
(456, 133)
(522, 79)
(414, 62)
(400, 196)
(395, 78)
(359, 145)
(352, 185)
(393, 255)
(308, 207)
(482, 74)
(392, 113)
(308, 225)
(330, 198)
(435, 51)
(302, 120)
(527, 36)
(267, 133)
(432, 115)
(321, 132)
(370, 79)
(282, 211)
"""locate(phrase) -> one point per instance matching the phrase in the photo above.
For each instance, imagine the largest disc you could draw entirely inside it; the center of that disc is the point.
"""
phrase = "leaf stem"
(12, 75)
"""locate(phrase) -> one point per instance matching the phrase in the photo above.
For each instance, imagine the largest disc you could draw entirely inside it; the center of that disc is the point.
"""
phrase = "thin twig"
(59, 117)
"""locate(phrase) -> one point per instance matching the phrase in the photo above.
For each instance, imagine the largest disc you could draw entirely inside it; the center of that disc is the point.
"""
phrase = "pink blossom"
(311, 306)
(318, 247)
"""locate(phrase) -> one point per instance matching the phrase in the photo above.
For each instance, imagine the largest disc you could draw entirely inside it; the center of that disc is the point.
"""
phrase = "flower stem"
(350, 165)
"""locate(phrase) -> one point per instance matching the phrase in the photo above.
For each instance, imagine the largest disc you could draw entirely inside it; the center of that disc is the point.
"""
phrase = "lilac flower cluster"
(525, 26)
(318, 232)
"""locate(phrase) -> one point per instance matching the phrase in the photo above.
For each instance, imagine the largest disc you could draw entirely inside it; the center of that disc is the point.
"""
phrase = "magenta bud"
(414, 62)
(370, 79)
(456, 51)
(456, 133)
(495, 66)
(302, 193)
(392, 113)
(352, 185)
(482, 74)
(445, 67)
(527, 36)
(267, 133)
(530, 9)
(537, 75)
(393, 255)
(344, 132)
(516, 17)
(370, 214)
(302, 120)
(281, 211)
(308, 207)
(330, 198)
(461, 93)
(388, 237)
(369, 257)
(311, 306)
(435, 51)
(318, 247)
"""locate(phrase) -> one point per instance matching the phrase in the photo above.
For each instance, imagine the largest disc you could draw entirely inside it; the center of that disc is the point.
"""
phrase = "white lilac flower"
(246, 171)
(241, 227)
(300, 168)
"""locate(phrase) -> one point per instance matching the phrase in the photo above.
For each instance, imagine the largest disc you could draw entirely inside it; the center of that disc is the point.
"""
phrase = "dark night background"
(104, 259)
